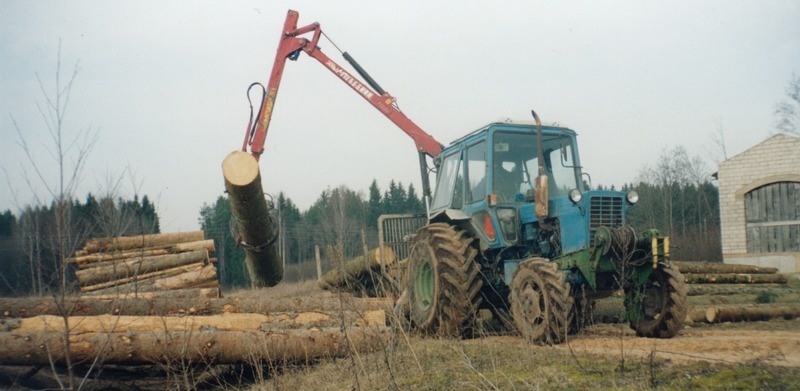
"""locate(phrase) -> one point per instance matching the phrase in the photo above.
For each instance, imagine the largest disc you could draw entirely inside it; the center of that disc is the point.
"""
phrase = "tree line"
(340, 221)
(34, 247)
(677, 196)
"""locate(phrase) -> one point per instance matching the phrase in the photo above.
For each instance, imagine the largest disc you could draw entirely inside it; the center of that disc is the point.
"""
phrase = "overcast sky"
(165, 81)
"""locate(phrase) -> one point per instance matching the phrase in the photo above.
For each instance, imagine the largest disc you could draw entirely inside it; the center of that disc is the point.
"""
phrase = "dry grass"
(506, 363)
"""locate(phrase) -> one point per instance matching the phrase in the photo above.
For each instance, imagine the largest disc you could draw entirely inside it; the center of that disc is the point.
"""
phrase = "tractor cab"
(488, 177)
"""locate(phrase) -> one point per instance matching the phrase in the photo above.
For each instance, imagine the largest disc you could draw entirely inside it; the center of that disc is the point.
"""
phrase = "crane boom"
(290, 45)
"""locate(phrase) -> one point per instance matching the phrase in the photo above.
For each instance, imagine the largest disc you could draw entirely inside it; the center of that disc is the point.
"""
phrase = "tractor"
(511, 226)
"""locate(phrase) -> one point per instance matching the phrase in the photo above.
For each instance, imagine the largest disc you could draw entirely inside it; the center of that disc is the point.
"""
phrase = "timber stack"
(721, 292)
(374, 274)
(192, 330)
(165, 263)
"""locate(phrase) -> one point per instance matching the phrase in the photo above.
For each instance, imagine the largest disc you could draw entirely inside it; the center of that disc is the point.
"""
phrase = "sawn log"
(205, 346)
(749, 313)
(140, 241)
(358, 266)
(732, 278)
(182, 302)
(253, 221)
(713, 267)
(137, 266)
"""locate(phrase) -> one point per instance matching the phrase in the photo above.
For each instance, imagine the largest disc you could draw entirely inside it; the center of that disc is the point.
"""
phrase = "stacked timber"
(134, 331)
(141, 264)
(373, 274)
(721, 292)
(737, 292)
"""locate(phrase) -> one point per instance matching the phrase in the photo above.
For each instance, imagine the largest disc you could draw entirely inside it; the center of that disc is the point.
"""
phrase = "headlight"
(575, 195)
(633, 197)
(506, 214)
(509, 225)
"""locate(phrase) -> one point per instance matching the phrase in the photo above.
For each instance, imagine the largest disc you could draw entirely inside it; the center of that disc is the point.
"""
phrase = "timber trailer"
(511, 225)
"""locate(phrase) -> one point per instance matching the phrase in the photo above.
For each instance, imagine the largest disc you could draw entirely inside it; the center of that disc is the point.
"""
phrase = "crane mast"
(292, 43)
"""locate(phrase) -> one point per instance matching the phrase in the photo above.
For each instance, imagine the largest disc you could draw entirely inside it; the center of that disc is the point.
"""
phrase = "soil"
(774, 343)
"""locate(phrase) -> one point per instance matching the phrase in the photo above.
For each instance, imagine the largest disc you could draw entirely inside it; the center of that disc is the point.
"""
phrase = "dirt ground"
(774, 343)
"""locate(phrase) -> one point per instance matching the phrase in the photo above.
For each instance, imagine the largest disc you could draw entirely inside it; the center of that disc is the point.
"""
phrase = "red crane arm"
(289, 48)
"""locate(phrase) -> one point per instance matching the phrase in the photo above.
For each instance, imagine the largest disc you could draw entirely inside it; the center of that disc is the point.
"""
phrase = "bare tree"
(68, 152)
(788, 111)
(678, 198)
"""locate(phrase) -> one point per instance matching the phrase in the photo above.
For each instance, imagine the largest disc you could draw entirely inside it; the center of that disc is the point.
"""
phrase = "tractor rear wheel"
(540, 301)
(443, 281)
(659, 306)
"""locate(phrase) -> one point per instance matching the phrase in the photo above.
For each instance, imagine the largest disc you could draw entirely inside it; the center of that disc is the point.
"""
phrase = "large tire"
(540, 302)
(659, 306)
(443, 281)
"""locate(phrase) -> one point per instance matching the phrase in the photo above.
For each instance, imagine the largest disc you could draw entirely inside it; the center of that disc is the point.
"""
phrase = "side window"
(458, 190)
(476, 172)
(563, 170)
(445, 181)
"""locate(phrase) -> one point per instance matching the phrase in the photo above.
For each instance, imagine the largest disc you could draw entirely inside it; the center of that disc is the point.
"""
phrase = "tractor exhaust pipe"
(540, 194)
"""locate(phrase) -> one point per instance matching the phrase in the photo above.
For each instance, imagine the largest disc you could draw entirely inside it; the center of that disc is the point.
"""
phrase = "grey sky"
(165, 82)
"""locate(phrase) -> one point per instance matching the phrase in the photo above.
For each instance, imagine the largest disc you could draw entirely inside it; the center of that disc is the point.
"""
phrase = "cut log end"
(240, 168)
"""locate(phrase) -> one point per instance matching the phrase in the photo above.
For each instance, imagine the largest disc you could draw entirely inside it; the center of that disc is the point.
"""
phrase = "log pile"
(208, 331)
(140, 264)
(755, 285)
(364, 275)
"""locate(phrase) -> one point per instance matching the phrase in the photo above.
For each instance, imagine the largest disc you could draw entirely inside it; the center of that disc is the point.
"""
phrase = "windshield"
(515, 164)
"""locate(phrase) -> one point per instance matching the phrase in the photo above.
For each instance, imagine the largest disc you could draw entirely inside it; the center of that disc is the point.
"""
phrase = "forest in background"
(676, 197)
(33, 246)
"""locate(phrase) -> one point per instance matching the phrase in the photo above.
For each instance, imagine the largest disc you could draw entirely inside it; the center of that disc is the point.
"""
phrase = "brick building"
(759, 194)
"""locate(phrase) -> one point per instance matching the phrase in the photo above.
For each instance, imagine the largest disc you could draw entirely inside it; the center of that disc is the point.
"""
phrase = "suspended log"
(750, 313)
(135, 266)
(200, 347)
(141, 241)
(188, 301)
(732, 278)
(358, 266)
(711, 267)
(144, 277)
(250, 212)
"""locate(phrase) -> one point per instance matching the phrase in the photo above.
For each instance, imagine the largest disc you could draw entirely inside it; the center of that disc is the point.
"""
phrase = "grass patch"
(506, 363)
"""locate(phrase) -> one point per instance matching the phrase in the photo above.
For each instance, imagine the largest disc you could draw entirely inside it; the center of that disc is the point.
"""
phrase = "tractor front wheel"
(443, 281)
(541, 305)
(657, 308)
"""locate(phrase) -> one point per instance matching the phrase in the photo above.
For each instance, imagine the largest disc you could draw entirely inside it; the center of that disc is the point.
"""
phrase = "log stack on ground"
(720, 292)
(364, 274)
(288, 330)
(251, 214)
(128, 265)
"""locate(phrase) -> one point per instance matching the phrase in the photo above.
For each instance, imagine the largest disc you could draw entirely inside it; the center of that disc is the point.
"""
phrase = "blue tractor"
(514, 229)
(511, 227)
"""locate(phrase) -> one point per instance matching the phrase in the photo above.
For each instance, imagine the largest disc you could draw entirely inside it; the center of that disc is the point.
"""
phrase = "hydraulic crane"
(294, 41)
(511, 226)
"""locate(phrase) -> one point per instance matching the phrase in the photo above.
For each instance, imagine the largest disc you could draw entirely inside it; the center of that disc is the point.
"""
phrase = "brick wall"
(776, 159)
